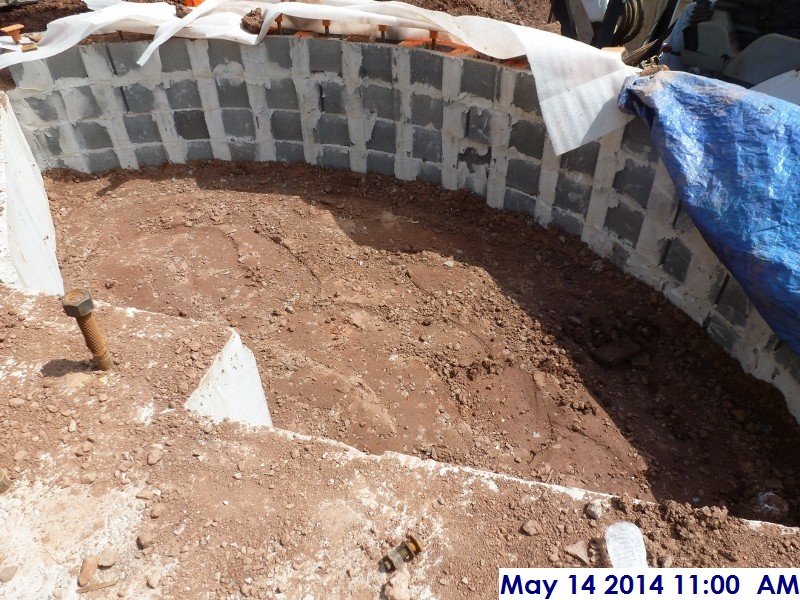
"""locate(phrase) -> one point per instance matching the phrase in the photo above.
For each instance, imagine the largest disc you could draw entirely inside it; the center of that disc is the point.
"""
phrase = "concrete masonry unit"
(398, 110)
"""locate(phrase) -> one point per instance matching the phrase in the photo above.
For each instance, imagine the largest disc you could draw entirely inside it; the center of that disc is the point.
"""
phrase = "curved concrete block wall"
(398, 110)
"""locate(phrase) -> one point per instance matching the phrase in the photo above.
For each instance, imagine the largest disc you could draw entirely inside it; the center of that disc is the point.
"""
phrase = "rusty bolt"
(79, 305)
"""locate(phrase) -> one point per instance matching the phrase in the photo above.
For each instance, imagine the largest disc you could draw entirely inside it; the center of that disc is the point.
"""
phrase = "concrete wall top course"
(413, 113)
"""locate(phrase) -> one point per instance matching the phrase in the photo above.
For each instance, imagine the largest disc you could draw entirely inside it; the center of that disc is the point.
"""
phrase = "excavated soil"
(110, 463)
(399, 316)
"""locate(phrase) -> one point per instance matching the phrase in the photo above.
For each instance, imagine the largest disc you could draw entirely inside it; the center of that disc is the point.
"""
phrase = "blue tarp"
(734, 156)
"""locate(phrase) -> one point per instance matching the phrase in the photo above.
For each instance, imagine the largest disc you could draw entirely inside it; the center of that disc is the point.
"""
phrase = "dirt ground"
(533, 13)
(109, 463)
(399, 316)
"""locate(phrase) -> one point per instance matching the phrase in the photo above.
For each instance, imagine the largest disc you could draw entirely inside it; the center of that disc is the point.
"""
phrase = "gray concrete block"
(376, 62)
(479, 125)
(49, 140)
(278, 50)
(151, 156)
(92, 136)
(427, 110)
(191, 124)
(282, 94)
(378, 162)
(243, 151)
(333, 130)
(476, 162)
(232, 94)
(383, 138)
(523, 175)
(286, 125)
(528, 138)
(517, 201)
(325, 56)
(142, 129)
(238, 123)
(123, 56)
(525, 96)
(199, 151)
(383, 101)
(636, 140)
(335, 158)
(625, 222)
(677, 260)
(572, 194)
(104, 160)
(567, 221)
(331, 97)
(426, 68)
(430, 172)
(66, 64)
(480, 78)
(289, 152)
(582, 159)
(789, 360)
(46, 108)
(721, 332)
(223, 52)
(138, 99)
(635, 181)
(184, 94)
(734, 304)
(174, 56)
(427, 145)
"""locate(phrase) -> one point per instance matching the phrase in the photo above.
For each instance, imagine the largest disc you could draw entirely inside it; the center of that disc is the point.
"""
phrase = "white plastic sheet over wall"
(27, 235)
(577, 84)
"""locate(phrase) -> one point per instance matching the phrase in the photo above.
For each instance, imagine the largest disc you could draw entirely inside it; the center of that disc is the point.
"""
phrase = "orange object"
(192, 3)
(15, 31)
(434, 35)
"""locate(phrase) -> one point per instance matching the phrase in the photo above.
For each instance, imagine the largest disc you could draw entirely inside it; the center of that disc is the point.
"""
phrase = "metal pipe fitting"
(79, 305)
(403, 553)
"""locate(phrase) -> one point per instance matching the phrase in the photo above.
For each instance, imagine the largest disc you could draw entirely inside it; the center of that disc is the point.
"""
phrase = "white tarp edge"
(577, 84)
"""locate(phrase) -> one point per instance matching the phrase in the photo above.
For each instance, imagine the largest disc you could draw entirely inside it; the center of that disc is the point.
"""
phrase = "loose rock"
(107, 559)
(145, 540)
(532, 528)
(594, 510)
(398, 587)
(154, 456)
(7, 573)
(88, 569)
(579, 550)
(153, 579)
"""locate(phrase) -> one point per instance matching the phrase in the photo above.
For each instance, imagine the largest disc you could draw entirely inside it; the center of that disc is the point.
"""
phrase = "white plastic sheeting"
(576, 83)
(27, 236)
